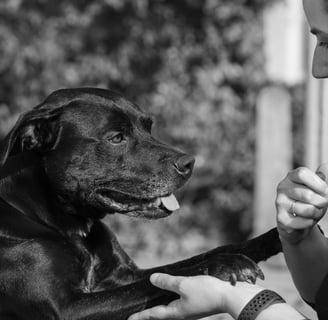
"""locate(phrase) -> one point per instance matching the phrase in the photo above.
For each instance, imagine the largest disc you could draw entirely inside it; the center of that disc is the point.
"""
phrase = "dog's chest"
(88, 260)
(99, 267)
(89, 282)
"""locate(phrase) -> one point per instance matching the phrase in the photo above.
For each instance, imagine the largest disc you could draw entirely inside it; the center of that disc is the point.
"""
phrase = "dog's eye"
(116, 139)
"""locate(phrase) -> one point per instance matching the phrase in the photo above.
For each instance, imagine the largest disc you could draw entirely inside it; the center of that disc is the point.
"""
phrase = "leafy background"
(197, 66)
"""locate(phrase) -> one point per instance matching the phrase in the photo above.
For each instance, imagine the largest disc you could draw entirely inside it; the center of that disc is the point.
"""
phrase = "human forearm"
(281, 311)
(237, 297)
(202, 296)
(307, 261)
(302, 200)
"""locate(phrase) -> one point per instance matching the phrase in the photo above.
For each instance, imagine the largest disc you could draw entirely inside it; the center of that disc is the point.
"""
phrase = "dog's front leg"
(119, 303)
(230, 261)
(116, 304)
(227, 262)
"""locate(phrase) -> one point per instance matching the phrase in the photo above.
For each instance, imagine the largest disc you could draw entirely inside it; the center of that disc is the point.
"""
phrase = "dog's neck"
(25, 190)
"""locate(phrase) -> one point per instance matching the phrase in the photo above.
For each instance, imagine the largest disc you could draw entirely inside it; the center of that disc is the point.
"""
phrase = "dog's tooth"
(170, 202)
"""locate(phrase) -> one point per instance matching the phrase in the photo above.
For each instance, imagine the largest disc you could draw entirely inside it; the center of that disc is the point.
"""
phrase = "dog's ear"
(34, 130)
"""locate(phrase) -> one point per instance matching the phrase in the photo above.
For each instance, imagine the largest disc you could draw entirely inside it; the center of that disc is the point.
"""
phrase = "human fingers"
(301, 193)
(166, 281)
(293, 227)
(308, 178)
(294, 223)
(305, 210)
(158, 312)
(322, 171)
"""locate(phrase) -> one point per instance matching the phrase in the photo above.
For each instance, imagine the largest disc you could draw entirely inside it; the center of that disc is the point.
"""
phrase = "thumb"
(166, 281)
(322, 171)
(158, 312)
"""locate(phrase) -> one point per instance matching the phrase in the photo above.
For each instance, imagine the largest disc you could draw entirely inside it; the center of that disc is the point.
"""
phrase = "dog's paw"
(235, 267)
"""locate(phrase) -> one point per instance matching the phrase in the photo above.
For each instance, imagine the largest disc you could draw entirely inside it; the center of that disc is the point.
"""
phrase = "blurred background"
(227, 81)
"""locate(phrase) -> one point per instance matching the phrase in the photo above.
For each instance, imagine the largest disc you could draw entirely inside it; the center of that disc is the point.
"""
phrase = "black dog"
(82, 154)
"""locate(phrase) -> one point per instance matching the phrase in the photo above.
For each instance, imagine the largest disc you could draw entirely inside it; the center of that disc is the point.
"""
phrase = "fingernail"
(154, 277)
(321, 175)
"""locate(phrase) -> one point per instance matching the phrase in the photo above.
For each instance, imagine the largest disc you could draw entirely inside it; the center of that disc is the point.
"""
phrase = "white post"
(324, 121)
(283, 35)
(273, 152)
(316, 121)
(284, 42)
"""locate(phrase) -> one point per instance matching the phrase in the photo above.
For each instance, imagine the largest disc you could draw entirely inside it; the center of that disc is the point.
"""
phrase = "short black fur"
(82, 154)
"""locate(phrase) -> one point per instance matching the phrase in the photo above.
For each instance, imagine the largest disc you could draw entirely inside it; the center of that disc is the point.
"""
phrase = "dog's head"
(97, 151)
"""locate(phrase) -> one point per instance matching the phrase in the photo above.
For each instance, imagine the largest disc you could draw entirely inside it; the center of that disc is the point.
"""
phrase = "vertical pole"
(284, 41)
(316, 122)
(283, 34)
(313, 110)
(324, 120)
(273, 154)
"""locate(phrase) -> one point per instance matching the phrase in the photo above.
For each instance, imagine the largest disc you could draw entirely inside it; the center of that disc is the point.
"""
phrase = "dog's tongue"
(170, 202)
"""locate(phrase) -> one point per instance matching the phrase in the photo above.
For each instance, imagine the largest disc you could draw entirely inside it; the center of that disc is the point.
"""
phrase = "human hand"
(302, 198)
(200, 296)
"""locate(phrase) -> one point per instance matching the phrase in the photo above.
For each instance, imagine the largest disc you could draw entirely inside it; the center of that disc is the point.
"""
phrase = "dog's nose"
(184, 165)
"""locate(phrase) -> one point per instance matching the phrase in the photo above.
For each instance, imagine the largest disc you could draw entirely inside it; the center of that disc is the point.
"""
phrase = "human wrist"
(243, 294)
(223, 290)
(302, 238)
(238, 296)
(293, 237)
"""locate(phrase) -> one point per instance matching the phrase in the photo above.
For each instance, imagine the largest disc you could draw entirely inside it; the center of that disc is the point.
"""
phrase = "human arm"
(305, 247)
(202, 296)
(307, 262)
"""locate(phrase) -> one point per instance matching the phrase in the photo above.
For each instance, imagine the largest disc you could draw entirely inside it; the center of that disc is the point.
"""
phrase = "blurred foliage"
(197, 66)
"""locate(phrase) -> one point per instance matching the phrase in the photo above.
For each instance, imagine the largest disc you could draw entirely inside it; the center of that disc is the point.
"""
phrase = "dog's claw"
(260, 274)
(233, 279)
